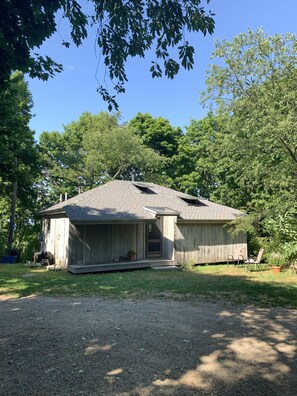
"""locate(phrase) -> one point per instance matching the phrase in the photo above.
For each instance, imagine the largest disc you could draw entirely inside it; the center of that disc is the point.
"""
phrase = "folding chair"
(257, 261)
(236, 257)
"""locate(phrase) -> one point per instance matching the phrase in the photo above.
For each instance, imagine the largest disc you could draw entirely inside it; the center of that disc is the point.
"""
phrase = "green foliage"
(4, 220)
(253, 90)
(194, 162)
(160, 136)
(90, 152)
(124, 29)
(283, 227)
(25, 26)
(157, 133)
(19, 163)
(188, 266)
(16, 139)
(276, 259)
(290, 252)
(283, 234)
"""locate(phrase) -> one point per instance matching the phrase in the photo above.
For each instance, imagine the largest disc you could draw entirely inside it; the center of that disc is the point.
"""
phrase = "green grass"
(262, 288)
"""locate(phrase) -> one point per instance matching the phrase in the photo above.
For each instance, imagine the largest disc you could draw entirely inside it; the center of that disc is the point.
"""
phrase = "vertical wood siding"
(124, 238)
(76, 243)
(56, 240)
(141, 241)
(207, 243)
(168, 236)
(101, 243)
(104, 243)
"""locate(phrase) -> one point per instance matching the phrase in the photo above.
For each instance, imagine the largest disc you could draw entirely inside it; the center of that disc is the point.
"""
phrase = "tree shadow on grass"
(237, 288)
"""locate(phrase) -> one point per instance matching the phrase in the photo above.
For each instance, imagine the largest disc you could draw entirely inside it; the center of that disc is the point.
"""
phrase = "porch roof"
(162, 210)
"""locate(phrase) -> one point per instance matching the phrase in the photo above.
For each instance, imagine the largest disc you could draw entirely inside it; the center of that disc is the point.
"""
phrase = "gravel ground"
(90, 346)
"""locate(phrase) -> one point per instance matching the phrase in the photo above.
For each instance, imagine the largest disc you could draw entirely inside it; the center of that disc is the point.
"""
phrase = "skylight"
(192, 201)
(144, 189)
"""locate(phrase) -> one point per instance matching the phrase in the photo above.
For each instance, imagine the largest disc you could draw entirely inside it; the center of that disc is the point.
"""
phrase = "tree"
(124, 29)
(18, 163)
(253, 89)
(15, 135)
(159, 135)
(196, 170)
(116, 152)
(91, 151)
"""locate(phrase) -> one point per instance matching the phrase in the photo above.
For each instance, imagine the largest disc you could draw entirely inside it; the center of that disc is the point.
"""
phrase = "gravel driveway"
(90, 346)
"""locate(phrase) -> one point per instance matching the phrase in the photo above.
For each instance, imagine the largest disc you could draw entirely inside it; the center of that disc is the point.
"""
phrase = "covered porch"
(101, 247)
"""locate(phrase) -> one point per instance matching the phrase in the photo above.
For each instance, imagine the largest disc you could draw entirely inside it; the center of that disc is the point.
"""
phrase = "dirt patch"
(90, 346)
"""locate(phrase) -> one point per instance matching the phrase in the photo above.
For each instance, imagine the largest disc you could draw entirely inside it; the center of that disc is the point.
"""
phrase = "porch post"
(168, 236)
(84, 245)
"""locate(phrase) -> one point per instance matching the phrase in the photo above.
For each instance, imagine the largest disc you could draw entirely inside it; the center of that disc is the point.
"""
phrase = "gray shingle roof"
(123, 201)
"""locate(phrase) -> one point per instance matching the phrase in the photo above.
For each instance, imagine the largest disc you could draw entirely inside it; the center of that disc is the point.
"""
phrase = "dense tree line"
(242, 154)
(19, 167)
(252, 87)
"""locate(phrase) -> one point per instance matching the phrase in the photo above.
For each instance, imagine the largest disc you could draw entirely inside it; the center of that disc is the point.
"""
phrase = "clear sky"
(65, 97)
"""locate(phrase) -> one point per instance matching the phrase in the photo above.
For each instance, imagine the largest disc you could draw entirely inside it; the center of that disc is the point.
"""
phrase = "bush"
(290, 252)
(276, 259)
(188, 266)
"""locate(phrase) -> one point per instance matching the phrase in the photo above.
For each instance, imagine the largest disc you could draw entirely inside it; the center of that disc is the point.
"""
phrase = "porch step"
(119, 266)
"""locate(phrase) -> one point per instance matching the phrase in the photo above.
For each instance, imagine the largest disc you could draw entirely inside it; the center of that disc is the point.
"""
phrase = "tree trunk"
(12, 215)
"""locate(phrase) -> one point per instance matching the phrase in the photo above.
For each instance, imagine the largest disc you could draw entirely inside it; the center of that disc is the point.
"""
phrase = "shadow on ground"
(92, 346)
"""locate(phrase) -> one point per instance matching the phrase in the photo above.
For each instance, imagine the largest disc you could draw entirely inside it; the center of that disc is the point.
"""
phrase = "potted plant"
(276, 260)
(132, 255)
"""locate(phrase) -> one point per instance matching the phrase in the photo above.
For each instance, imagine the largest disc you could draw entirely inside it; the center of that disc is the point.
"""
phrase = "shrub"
(290, 252)
(276, 259)
(188, 266)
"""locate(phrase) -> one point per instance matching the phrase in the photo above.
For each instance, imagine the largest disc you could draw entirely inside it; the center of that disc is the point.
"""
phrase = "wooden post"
(84, 245)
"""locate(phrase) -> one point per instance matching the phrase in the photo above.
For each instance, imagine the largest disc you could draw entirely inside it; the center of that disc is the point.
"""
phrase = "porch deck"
(119, 266)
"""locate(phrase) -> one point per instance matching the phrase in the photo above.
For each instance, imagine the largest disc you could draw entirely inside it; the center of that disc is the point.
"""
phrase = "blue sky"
(65, 97)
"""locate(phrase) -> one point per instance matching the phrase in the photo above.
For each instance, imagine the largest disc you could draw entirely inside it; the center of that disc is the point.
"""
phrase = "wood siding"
(168, 224)
(76, 244)
(55, 240)
(104, 243)
(207, 243)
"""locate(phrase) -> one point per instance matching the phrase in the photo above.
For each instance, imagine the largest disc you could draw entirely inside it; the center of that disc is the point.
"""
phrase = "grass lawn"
(262, 288)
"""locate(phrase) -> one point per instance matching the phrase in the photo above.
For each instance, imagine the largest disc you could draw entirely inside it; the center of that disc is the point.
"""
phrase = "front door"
(154, 245)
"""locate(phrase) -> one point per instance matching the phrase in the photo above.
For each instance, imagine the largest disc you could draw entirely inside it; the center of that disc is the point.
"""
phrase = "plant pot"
(276, 269)
(132, 257)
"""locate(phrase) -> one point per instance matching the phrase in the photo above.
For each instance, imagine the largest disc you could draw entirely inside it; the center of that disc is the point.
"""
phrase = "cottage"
(95, 230)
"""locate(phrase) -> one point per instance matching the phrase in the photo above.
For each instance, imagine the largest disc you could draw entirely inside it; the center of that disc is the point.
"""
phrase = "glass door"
(154, 245)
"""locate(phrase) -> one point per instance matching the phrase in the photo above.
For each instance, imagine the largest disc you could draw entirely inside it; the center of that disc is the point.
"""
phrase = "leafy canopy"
(159, 135)
(194, 164)
(124, 29)
(252, 86)
(90, 152)
(19, 166)
(16, 139)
